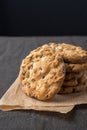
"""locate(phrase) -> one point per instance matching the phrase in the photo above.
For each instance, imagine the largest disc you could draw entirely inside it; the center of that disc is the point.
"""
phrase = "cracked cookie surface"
(42, 73)
(71, 53)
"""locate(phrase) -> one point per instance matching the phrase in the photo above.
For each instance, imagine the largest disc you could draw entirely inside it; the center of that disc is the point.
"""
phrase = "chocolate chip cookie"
(42, 73)
(71, 53)
(81, 85)
(69, 90)
(75, 67)
(73, 75)
(72, 82)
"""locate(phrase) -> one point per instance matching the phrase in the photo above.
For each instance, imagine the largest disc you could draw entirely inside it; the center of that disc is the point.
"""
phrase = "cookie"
(75, 67)
(53, 45)
(78, 88)
(72, 53)
(42, 73)
(73, 75)
(83, 78)
(72, 82)
(80, 77)
(81, 86)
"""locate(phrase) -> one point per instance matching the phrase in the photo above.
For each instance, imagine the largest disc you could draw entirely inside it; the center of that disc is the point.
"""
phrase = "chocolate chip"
(30, 67)
(66, 60)
(43, 77)
(73, 91)
(47, 96)
(41, 56)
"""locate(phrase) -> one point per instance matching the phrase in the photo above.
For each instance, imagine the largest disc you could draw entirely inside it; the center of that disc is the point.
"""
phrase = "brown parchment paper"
(14, 99)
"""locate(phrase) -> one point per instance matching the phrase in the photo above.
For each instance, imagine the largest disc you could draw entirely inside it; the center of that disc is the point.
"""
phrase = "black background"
(43, 17)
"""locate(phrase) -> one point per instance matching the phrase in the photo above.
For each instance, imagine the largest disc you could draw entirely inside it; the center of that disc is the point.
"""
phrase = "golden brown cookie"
(53, 45)
(75, 67)
(83, 78)
(78, 88)
(81, 86)
(72, 82)
(42, 73)
(73, 75)
(71, 53)
(80, 77)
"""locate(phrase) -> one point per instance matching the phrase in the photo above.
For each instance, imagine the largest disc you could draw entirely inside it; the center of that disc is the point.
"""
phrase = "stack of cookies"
(54, 68)
(75, 59)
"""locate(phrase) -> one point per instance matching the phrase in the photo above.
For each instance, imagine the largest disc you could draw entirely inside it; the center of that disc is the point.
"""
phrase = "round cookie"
(83, 78)
(81, 86)
(77, 79)
(75, 67)
(72, 82)
(72, 53)
(78, 88)
(42, 73)
(73, 75)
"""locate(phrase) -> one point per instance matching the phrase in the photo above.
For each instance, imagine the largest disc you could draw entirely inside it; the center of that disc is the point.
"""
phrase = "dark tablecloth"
(12, 51)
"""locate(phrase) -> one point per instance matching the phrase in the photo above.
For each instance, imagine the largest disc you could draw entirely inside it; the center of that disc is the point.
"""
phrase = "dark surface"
(43, 17)
(12, 50)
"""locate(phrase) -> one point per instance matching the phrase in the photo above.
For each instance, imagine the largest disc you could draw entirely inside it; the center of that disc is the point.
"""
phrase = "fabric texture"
(12, 51)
